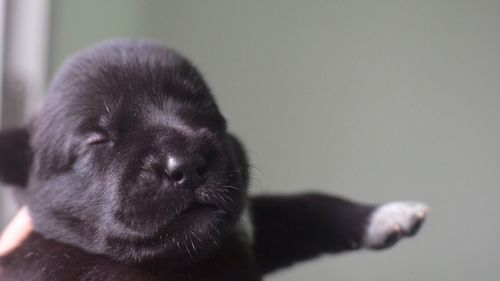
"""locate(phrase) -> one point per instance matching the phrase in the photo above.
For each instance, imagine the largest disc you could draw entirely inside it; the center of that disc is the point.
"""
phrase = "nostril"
(177, 176)
(186, 170)
(175, 169)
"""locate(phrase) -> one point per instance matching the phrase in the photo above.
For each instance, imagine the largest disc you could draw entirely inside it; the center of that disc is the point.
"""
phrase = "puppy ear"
(15, 156)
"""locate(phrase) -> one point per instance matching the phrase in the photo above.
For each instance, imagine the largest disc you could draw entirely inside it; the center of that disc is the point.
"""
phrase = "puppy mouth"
(201, 218)
(194, 214)
(195, 210)
(191, 210)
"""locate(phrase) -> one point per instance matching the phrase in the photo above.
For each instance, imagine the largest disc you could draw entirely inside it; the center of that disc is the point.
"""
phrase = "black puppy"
(129, 174)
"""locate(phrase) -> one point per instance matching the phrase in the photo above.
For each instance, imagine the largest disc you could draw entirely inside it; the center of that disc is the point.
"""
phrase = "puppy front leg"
(289, 229)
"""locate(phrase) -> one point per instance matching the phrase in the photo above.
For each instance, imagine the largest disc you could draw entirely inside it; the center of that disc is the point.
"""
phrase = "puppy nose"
(187, 171)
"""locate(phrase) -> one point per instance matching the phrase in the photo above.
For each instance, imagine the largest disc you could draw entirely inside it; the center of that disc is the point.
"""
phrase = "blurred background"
(372, 100)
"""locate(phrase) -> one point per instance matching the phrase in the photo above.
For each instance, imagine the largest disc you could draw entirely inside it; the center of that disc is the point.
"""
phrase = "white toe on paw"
(392, 221)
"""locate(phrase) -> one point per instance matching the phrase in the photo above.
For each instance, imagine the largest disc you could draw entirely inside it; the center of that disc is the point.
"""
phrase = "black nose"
(187, 170)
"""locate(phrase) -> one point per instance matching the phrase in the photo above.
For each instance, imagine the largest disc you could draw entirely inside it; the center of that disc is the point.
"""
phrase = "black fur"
(105, 205)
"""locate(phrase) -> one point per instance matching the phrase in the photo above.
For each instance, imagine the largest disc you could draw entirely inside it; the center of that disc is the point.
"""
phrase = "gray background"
(373, 100)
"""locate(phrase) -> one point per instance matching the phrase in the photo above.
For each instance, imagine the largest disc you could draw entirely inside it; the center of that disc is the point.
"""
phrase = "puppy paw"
(392, 221)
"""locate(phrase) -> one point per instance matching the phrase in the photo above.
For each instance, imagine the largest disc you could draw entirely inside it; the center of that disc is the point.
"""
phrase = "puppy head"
(131, 158)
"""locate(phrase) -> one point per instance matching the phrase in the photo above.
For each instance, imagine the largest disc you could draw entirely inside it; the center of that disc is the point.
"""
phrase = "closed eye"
(97, 137)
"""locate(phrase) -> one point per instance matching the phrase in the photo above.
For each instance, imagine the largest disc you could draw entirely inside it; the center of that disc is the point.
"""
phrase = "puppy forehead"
(127, 75)
(126, 66)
